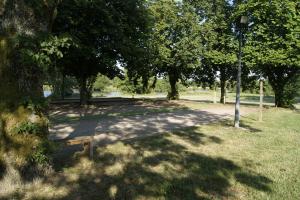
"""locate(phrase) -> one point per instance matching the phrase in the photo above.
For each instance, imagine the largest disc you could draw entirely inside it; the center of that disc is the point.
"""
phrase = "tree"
(219, 54)
(82, 21)
(21, 30)
(177, 41)
(105, 32)
(23, 27)
(273, 43)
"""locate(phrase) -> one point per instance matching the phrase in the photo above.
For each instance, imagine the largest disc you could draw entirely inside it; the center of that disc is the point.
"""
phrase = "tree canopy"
(176, 35)
(273, 43)
(220, 45)
(181, 40)
(103, 33)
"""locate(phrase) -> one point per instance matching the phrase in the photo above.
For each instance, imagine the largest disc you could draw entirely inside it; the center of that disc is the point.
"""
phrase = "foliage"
(42, 153)
(102, 83)
(219, 54)
(61, 85)
(162, 86)
(28, 128)
(273, 43)
(19, 136)
(291, 91)
(131, 86)
(35, 105)
(104, 32)
(51, 49)
(176, 39)
(255, 88)
(22, 32)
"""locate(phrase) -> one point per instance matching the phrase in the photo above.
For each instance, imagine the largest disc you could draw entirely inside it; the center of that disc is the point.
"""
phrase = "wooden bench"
(86, 141)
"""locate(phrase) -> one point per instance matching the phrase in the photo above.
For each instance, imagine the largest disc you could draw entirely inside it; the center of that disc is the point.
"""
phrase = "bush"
(42, 153)
(28, 128)
(102, 83)
(38, 105)
(291, 91)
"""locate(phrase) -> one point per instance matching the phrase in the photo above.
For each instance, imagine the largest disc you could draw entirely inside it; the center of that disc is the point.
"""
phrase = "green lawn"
(208, 95)
(217, 161)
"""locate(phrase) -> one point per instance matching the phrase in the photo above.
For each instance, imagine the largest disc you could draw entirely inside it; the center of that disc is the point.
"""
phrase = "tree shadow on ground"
(249, 128)
(158, 167)
(164, 166)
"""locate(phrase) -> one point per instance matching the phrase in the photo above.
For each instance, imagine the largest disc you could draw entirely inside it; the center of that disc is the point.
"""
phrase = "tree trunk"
(63, 86)
(145, 82)
(279, 100)
(21, 82)
(223, 86)
(279, 78)
(84, 94)
(8, 87)
(173, 93)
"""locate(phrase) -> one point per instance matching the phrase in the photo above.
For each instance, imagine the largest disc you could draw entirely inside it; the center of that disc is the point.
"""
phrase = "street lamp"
(243, 23)
(261, 97)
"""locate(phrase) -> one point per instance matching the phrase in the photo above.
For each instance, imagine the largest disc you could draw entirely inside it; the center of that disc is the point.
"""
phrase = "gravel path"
(110, 129)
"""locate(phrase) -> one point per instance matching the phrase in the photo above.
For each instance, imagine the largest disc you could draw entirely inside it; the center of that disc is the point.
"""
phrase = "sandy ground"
(136, 119)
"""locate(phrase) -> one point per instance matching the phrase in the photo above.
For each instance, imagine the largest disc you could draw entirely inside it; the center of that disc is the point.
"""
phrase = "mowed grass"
(216, 161)
(209, 95)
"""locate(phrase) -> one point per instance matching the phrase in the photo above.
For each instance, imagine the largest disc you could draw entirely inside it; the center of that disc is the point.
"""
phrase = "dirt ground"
(118, 121)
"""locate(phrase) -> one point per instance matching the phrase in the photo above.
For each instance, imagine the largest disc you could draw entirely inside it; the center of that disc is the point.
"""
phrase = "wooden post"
(91, 147)
(261, 98)
(86, 141)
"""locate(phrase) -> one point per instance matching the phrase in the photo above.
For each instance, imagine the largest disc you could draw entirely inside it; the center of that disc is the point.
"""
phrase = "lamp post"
(243, 23)
(261, 97)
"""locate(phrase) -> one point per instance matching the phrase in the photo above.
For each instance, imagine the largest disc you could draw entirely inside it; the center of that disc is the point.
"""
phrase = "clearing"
(112, 122)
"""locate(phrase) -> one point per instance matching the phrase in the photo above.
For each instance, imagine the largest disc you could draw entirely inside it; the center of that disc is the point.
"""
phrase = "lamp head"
(244, 20)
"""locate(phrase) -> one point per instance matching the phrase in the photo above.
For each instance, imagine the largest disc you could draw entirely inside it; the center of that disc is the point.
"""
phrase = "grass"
(208, 96)
(216, 161)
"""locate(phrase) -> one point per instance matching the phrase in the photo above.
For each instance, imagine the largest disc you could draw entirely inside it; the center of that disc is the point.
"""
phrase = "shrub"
(39, 105)
(291, 91)
(42, 153)
(28, 128)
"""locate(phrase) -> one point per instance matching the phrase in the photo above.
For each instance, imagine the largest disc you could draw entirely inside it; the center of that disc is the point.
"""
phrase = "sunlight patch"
(115, 169)
(113, 191)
